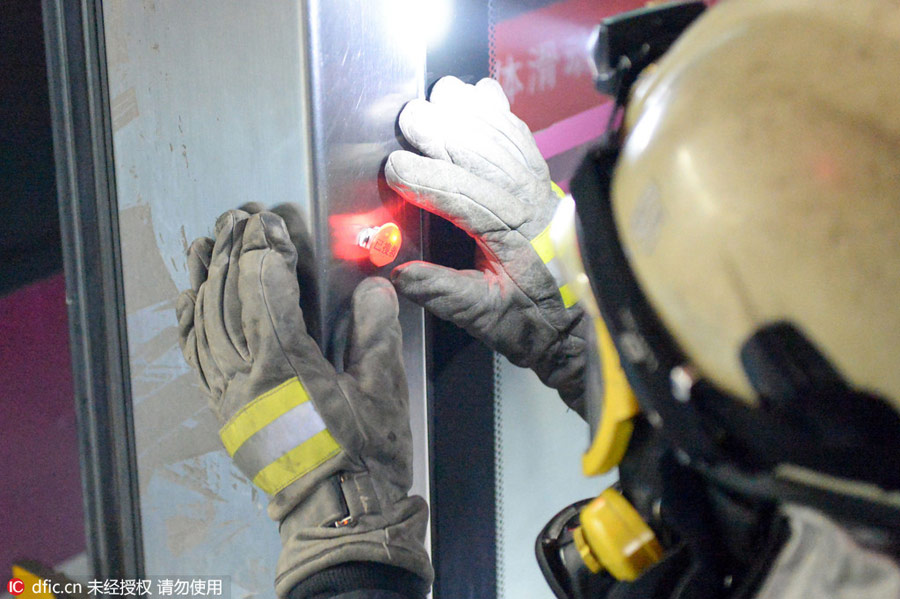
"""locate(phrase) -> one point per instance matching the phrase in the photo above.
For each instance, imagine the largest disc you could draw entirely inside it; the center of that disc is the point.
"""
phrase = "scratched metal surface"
(367, 59)
(211, 108)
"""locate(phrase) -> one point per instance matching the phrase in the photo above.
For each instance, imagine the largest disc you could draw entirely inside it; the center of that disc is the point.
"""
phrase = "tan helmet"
(760, 182)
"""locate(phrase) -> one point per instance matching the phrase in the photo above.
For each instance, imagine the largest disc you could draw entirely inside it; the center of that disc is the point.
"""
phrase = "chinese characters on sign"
(542, 58)
(538, 72)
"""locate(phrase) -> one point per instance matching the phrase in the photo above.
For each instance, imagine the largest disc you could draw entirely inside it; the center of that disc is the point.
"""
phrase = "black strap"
(724, 544)
(808, 415)
(660, 581)
(850, 505)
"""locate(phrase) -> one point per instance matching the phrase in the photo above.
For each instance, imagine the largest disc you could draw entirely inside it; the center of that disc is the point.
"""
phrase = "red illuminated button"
(382, 242)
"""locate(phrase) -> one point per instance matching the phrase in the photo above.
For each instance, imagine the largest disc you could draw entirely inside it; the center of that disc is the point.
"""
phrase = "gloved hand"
(333, 450)
(482, 171)
(299, 232)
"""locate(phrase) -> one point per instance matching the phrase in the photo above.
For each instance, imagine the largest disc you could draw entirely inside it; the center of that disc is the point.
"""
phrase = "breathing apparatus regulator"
(717, 402)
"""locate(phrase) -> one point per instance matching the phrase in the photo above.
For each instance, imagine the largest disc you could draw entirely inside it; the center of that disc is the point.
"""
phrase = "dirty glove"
(482, 171)
(299, 232)
(333, 450)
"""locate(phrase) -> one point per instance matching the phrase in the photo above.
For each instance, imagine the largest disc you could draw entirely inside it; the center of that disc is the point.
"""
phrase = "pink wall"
(41, 512)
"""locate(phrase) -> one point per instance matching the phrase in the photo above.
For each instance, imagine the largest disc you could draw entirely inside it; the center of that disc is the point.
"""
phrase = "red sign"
(542, 59)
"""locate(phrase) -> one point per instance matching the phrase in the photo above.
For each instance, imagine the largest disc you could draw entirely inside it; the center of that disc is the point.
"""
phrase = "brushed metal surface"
(216, 103)
(366, 60)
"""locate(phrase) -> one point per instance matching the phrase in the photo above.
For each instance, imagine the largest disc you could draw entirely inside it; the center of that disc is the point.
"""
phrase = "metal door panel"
(214, 104)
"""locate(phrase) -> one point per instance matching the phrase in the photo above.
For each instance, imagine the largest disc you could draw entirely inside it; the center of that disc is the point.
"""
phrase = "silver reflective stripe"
(555, 268)
(293, 428)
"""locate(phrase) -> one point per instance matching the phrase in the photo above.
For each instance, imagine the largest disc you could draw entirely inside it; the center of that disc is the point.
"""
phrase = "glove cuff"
(365, 578)
(310, 544)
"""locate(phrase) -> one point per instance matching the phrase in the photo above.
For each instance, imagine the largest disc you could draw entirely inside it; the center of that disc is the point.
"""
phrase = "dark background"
(41, 512)
(29, 221)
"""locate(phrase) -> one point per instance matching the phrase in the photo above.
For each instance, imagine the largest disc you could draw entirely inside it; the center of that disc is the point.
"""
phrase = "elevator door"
(216, 103)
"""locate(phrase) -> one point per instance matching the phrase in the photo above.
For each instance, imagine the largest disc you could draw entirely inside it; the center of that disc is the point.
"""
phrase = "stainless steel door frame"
(364, 64)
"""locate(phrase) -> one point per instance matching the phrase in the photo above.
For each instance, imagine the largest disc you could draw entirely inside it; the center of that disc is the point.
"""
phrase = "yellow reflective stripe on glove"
(544, 248)
(557, 190)
(278, 437)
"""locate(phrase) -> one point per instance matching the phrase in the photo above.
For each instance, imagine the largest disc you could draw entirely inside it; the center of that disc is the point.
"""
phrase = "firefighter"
(719, 301)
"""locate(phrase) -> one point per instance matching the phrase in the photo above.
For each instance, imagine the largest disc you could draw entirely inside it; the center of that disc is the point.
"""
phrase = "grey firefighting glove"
(333, 450)
(297, 229)
(482, 171)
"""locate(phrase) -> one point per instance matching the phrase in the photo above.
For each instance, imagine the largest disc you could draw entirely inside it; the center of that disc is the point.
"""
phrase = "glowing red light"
(384, 244)
(345, 229)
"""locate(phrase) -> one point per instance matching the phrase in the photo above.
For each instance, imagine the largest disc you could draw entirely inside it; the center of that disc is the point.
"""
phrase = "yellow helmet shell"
(760, 181)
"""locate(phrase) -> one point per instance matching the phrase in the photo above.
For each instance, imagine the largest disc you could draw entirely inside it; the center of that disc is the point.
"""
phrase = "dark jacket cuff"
(361, 580)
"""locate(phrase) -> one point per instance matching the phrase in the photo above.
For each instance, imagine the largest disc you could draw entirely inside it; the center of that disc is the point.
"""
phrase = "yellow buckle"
(613, 536)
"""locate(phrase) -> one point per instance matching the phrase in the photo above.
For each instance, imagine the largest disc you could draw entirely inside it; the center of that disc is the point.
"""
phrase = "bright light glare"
(427, 18)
